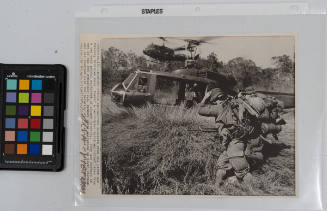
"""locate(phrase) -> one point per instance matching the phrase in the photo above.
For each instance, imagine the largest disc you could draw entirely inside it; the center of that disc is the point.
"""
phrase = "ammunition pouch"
(265, 116)
(225, 136)
(241, 173)
(272, 128)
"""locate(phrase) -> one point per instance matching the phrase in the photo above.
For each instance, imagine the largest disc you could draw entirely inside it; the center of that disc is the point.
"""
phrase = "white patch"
(47, 136)
(46, 149)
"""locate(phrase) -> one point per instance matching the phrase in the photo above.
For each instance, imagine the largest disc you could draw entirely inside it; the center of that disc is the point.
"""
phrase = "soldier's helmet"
(257, 103)
(216, 94)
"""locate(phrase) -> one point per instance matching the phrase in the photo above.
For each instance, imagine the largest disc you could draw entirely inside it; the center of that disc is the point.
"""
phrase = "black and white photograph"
(201, 115)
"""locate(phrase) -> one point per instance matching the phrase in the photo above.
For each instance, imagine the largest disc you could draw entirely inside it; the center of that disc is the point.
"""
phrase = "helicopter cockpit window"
(143, 81)
(142, 84)
(128, 80)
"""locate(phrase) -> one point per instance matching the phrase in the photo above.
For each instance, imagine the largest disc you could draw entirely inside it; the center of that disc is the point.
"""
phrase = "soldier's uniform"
(189, 96)
(239, 128)
(268, 109)
(225, 110)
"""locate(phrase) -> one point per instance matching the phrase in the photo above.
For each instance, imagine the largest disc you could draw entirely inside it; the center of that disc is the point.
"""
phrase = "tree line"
(117, 65)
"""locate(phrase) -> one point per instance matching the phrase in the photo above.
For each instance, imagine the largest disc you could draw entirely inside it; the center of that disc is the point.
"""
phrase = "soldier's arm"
(205, 99)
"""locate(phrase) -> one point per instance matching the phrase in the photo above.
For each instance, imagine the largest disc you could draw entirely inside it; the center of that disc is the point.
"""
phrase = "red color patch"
(35, 123)
(22, 123)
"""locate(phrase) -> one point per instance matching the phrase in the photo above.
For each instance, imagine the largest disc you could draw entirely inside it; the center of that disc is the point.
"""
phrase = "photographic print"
(202, 115)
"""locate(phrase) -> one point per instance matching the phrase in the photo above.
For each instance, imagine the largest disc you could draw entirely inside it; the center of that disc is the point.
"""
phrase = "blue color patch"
(36, 84)
(34, 149)
(10, 122)
(11, 97)
(22, 135)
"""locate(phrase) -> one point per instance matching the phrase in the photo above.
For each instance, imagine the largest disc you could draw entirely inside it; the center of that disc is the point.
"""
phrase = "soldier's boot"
(233, 180)
(220, 175)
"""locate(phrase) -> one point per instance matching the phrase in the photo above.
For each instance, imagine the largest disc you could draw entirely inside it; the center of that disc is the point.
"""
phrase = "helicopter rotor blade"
(181, 48)
(200, 41)
(173, 41)
(170, 41)
(210, 40)
(194, 42)
(162, 38)
(206, 39)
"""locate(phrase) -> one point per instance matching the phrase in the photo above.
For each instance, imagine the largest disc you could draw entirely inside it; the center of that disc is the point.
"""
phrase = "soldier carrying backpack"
(240, 120)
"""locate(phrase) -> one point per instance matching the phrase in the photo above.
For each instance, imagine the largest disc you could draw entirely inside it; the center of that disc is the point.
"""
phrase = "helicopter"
(169, 88)
(162, 53)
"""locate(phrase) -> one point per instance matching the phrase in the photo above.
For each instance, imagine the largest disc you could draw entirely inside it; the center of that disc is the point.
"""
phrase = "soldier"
(225, 110)
(267, 109)
(196, 95)
(189, 96)
(213, 104)
(240, 120)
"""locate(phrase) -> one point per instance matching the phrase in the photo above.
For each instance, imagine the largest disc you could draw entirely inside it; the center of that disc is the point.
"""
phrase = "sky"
(260, 49)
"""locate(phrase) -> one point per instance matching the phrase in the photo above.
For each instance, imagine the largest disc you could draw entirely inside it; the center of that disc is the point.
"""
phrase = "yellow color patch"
(35, 110)
(24, 84)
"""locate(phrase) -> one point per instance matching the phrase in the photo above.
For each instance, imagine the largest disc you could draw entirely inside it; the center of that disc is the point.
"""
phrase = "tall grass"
(167, 115)
(161, 152)
(150, 150)
(110, 111)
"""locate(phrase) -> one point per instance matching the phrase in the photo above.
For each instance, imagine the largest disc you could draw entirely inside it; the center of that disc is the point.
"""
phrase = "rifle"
(205, 129)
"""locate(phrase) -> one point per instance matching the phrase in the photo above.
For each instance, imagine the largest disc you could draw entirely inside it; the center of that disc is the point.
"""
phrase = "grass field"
(149, 150)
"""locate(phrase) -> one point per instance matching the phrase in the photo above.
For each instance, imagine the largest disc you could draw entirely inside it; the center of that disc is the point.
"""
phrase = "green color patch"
(23, 97)
(35, 136)
(11, 84)
(10, 110)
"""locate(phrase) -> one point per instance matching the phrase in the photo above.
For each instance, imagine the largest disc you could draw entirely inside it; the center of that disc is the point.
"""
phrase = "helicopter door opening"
(194, 91)
(142, 85)
(166, 91)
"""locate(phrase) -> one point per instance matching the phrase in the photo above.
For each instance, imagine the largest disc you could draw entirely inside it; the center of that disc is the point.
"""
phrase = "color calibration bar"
(29, 116)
